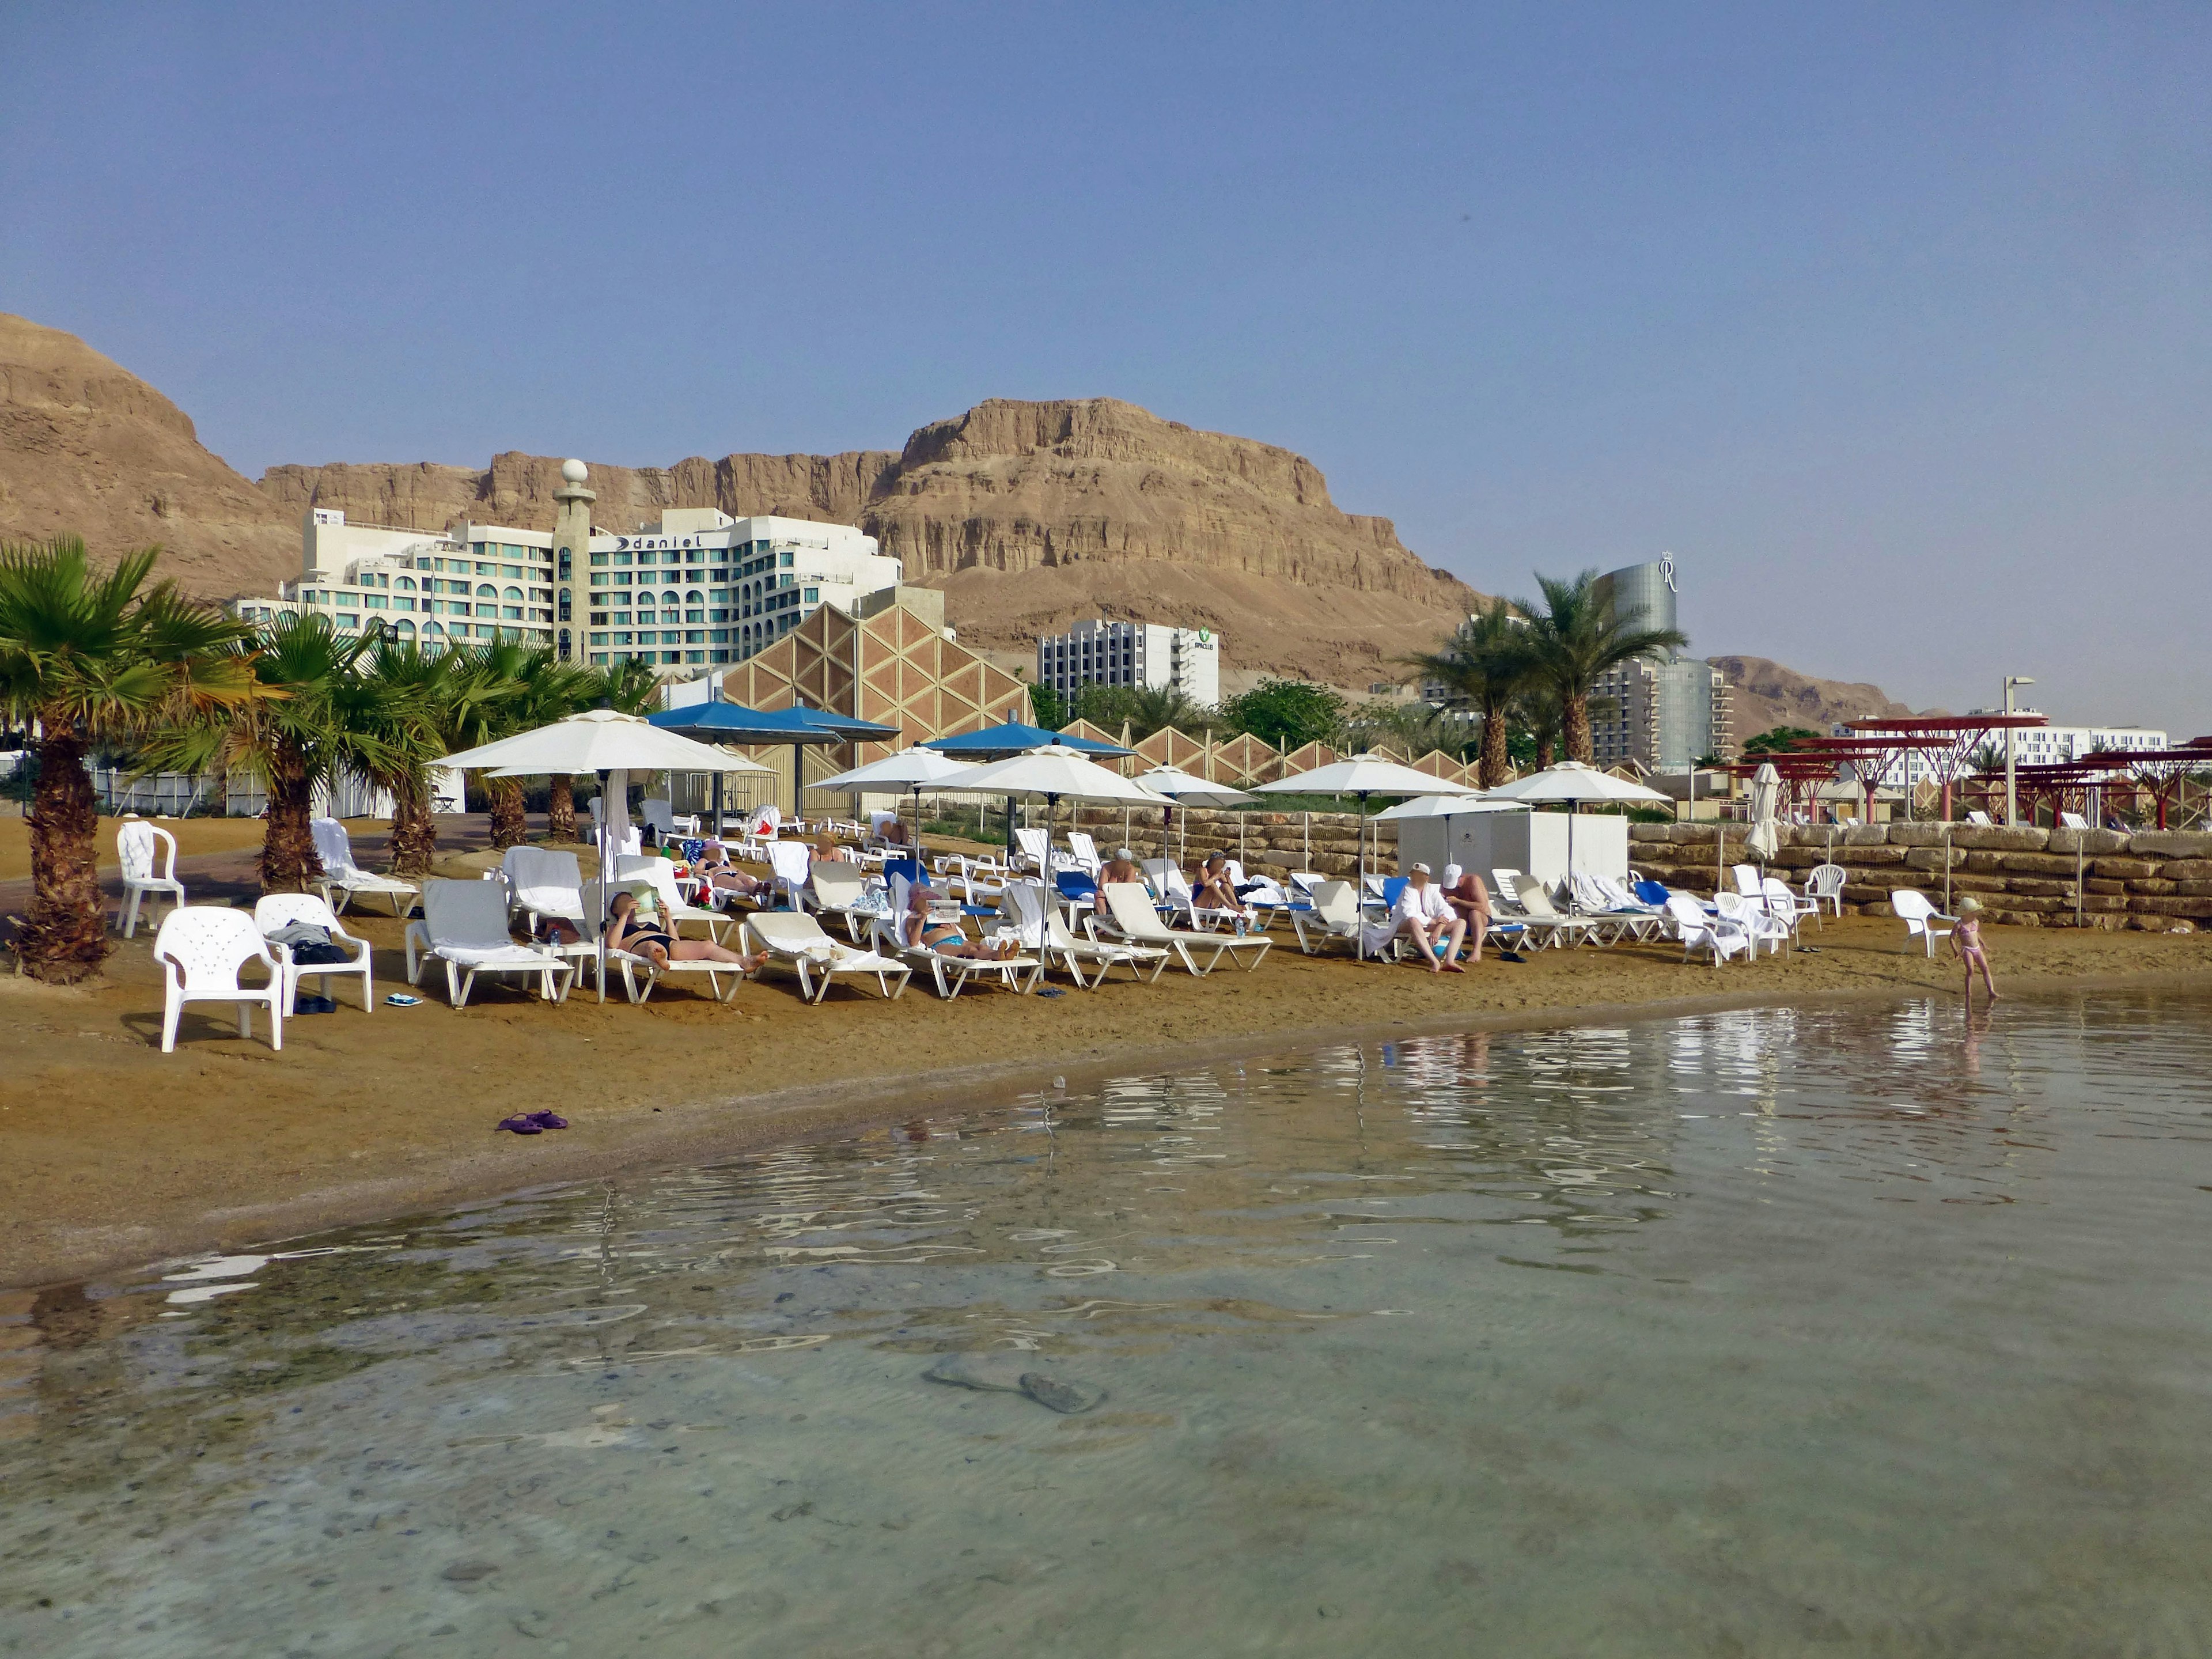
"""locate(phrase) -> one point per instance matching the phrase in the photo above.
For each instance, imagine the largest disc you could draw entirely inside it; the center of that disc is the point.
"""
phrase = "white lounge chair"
(1138, 923)
(148, 856)
(975, 879)
(1334, 914)
(274, 912)
(950, 974)
(541, 883)
(1168, 881)
(1919, 917)
(795, 940)
(835, 888)
(665, 821)
(347, 880)
(1043, 931)
(788, 862)
(675, 909)
(1746, 879)
(1823, 885)
(1980, 820)
(2072, 821)
(1720, 937)
(1508, 892)
(463, 926)
(201, 948)
(1606, 904)
(633, 840)
(1083, 852)
(633, 965)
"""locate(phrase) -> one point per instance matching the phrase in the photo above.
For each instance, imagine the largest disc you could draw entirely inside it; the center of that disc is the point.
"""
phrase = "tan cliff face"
(87, 448)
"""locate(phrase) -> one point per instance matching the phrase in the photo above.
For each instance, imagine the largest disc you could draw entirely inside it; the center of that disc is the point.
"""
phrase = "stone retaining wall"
(2156, 880)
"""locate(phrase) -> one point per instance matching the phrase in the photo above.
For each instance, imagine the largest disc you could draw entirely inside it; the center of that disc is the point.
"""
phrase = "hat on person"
(1969, 905)
(1418, 870)
(1124, 853)
(1452, 873)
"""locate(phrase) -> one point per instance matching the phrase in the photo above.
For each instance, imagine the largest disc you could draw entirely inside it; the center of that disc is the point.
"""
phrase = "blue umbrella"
(732, 722)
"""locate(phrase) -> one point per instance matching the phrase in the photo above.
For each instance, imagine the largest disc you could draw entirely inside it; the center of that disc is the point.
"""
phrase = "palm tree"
(1488, 661)
(419, 699)
(1574, 637)
(318, 717)
(547, 689)
(85, 659)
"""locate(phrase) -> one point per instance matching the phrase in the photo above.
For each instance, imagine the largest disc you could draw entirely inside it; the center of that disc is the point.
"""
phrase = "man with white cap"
(1422, 911)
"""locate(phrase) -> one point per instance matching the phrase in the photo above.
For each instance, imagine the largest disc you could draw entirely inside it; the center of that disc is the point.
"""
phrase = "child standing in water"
(1966, 941)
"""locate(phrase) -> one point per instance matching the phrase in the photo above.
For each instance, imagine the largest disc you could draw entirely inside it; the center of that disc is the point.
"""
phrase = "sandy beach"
(112, 1152)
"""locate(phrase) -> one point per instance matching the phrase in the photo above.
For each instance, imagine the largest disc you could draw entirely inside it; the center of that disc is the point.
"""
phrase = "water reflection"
(1874, 1327)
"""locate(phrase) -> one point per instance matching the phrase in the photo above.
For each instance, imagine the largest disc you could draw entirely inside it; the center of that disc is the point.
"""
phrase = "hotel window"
(487, 570)
(784, 560)
(486, 591)
(598, 639)
(377, 601)
(622, 580)
(599, 578)
(598, 558)
(621, 619)
(407, 584)
(813, 594)
(622, 558)
(511, 613)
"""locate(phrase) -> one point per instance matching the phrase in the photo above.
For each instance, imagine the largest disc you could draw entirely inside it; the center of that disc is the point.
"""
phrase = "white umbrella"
(1184, 790)
(612, 745)
(1574, 782)
(1363, 775)
(1059, 773)
(917, 769)
(1765, 838)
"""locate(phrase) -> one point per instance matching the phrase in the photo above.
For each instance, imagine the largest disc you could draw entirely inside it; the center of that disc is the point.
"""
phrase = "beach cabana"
(1572, 783)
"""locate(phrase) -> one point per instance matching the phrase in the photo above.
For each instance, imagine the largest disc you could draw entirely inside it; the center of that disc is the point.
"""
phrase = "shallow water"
(1830, 1332)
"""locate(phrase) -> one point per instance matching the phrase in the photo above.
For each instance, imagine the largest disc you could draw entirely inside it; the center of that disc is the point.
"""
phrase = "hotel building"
(697, 588)
(1101, 653)
(1664, 713)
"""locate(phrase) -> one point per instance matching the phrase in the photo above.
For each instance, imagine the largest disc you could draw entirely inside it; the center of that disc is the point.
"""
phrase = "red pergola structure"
(1867, 761)
(1948, 740)
(1800, 774)
(2162, 774)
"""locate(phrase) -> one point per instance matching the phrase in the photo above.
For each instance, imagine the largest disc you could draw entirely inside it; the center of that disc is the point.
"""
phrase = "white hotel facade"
(2032, 745)
(1101, 653)
(698, 588)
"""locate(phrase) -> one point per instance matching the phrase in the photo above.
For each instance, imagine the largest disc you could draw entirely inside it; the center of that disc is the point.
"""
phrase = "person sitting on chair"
(917, 928)
(1470, 902)
(1423, 912)
(894, 834)
(1123, 866)
(640, 937)
(1210, 888)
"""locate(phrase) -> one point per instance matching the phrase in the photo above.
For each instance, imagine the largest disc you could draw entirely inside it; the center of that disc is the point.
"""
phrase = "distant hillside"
(87, 448)
(1767, 694)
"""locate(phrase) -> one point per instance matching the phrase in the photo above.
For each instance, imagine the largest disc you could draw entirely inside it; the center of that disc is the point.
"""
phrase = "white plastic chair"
(633, 840)
(341, 876)
(1138, 923)
(838, 889)
(148, 855)
(201, 948)
(1980, 820)
(1751, 915)
(788, 863)
(276, 911)
(795, 940)
(2072, 821)
(1334, 914)
(1786, 907)
(1083, 851)
(1919, 917)
(542, 882)
(1721, 937)
(674, 908)
(1823, 885)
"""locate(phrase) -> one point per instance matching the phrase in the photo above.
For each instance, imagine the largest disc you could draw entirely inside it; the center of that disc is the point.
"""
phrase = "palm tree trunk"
(413, 831)
(1546, 750)
(288, 845)
(1496, 764)
(560, 807)
(65, 939)
(508, 826)
(1574, 716)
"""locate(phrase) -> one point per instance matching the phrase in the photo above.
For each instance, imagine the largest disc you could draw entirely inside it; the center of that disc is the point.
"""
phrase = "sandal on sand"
(548, 1120)
(520, 1124)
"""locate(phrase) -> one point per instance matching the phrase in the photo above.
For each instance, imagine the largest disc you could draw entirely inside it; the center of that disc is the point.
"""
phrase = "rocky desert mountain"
(1767, 694)
(88, 448)
(1029, 515)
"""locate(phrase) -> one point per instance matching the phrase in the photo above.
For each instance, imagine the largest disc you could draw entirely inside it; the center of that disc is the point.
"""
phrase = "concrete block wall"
(2155, 880)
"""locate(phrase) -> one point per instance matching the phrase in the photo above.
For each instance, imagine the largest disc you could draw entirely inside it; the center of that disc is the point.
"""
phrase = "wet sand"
(112, 1153)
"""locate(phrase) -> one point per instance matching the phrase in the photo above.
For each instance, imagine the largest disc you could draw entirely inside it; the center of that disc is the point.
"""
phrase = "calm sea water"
(1840, 1331)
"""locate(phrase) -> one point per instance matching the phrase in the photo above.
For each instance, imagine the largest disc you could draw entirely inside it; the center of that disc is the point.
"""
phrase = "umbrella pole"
(1359, 908)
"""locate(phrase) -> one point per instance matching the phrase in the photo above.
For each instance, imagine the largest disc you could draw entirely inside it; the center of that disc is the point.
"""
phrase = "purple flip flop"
(522, 1126)
(549, 1119)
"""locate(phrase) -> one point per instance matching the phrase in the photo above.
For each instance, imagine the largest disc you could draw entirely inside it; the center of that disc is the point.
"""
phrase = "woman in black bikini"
(918, 929)
(628, 931)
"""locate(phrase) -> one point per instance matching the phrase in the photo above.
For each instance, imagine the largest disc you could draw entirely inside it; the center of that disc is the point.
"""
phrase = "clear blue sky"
(1891, 322)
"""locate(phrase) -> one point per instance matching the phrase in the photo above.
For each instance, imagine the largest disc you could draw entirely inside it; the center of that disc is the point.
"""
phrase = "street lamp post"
(2013, 682)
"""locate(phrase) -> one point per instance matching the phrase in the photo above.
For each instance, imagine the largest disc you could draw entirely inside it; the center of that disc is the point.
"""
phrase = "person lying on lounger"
(893, 833)
(918, 927)
(643, 937)
(721, 876)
